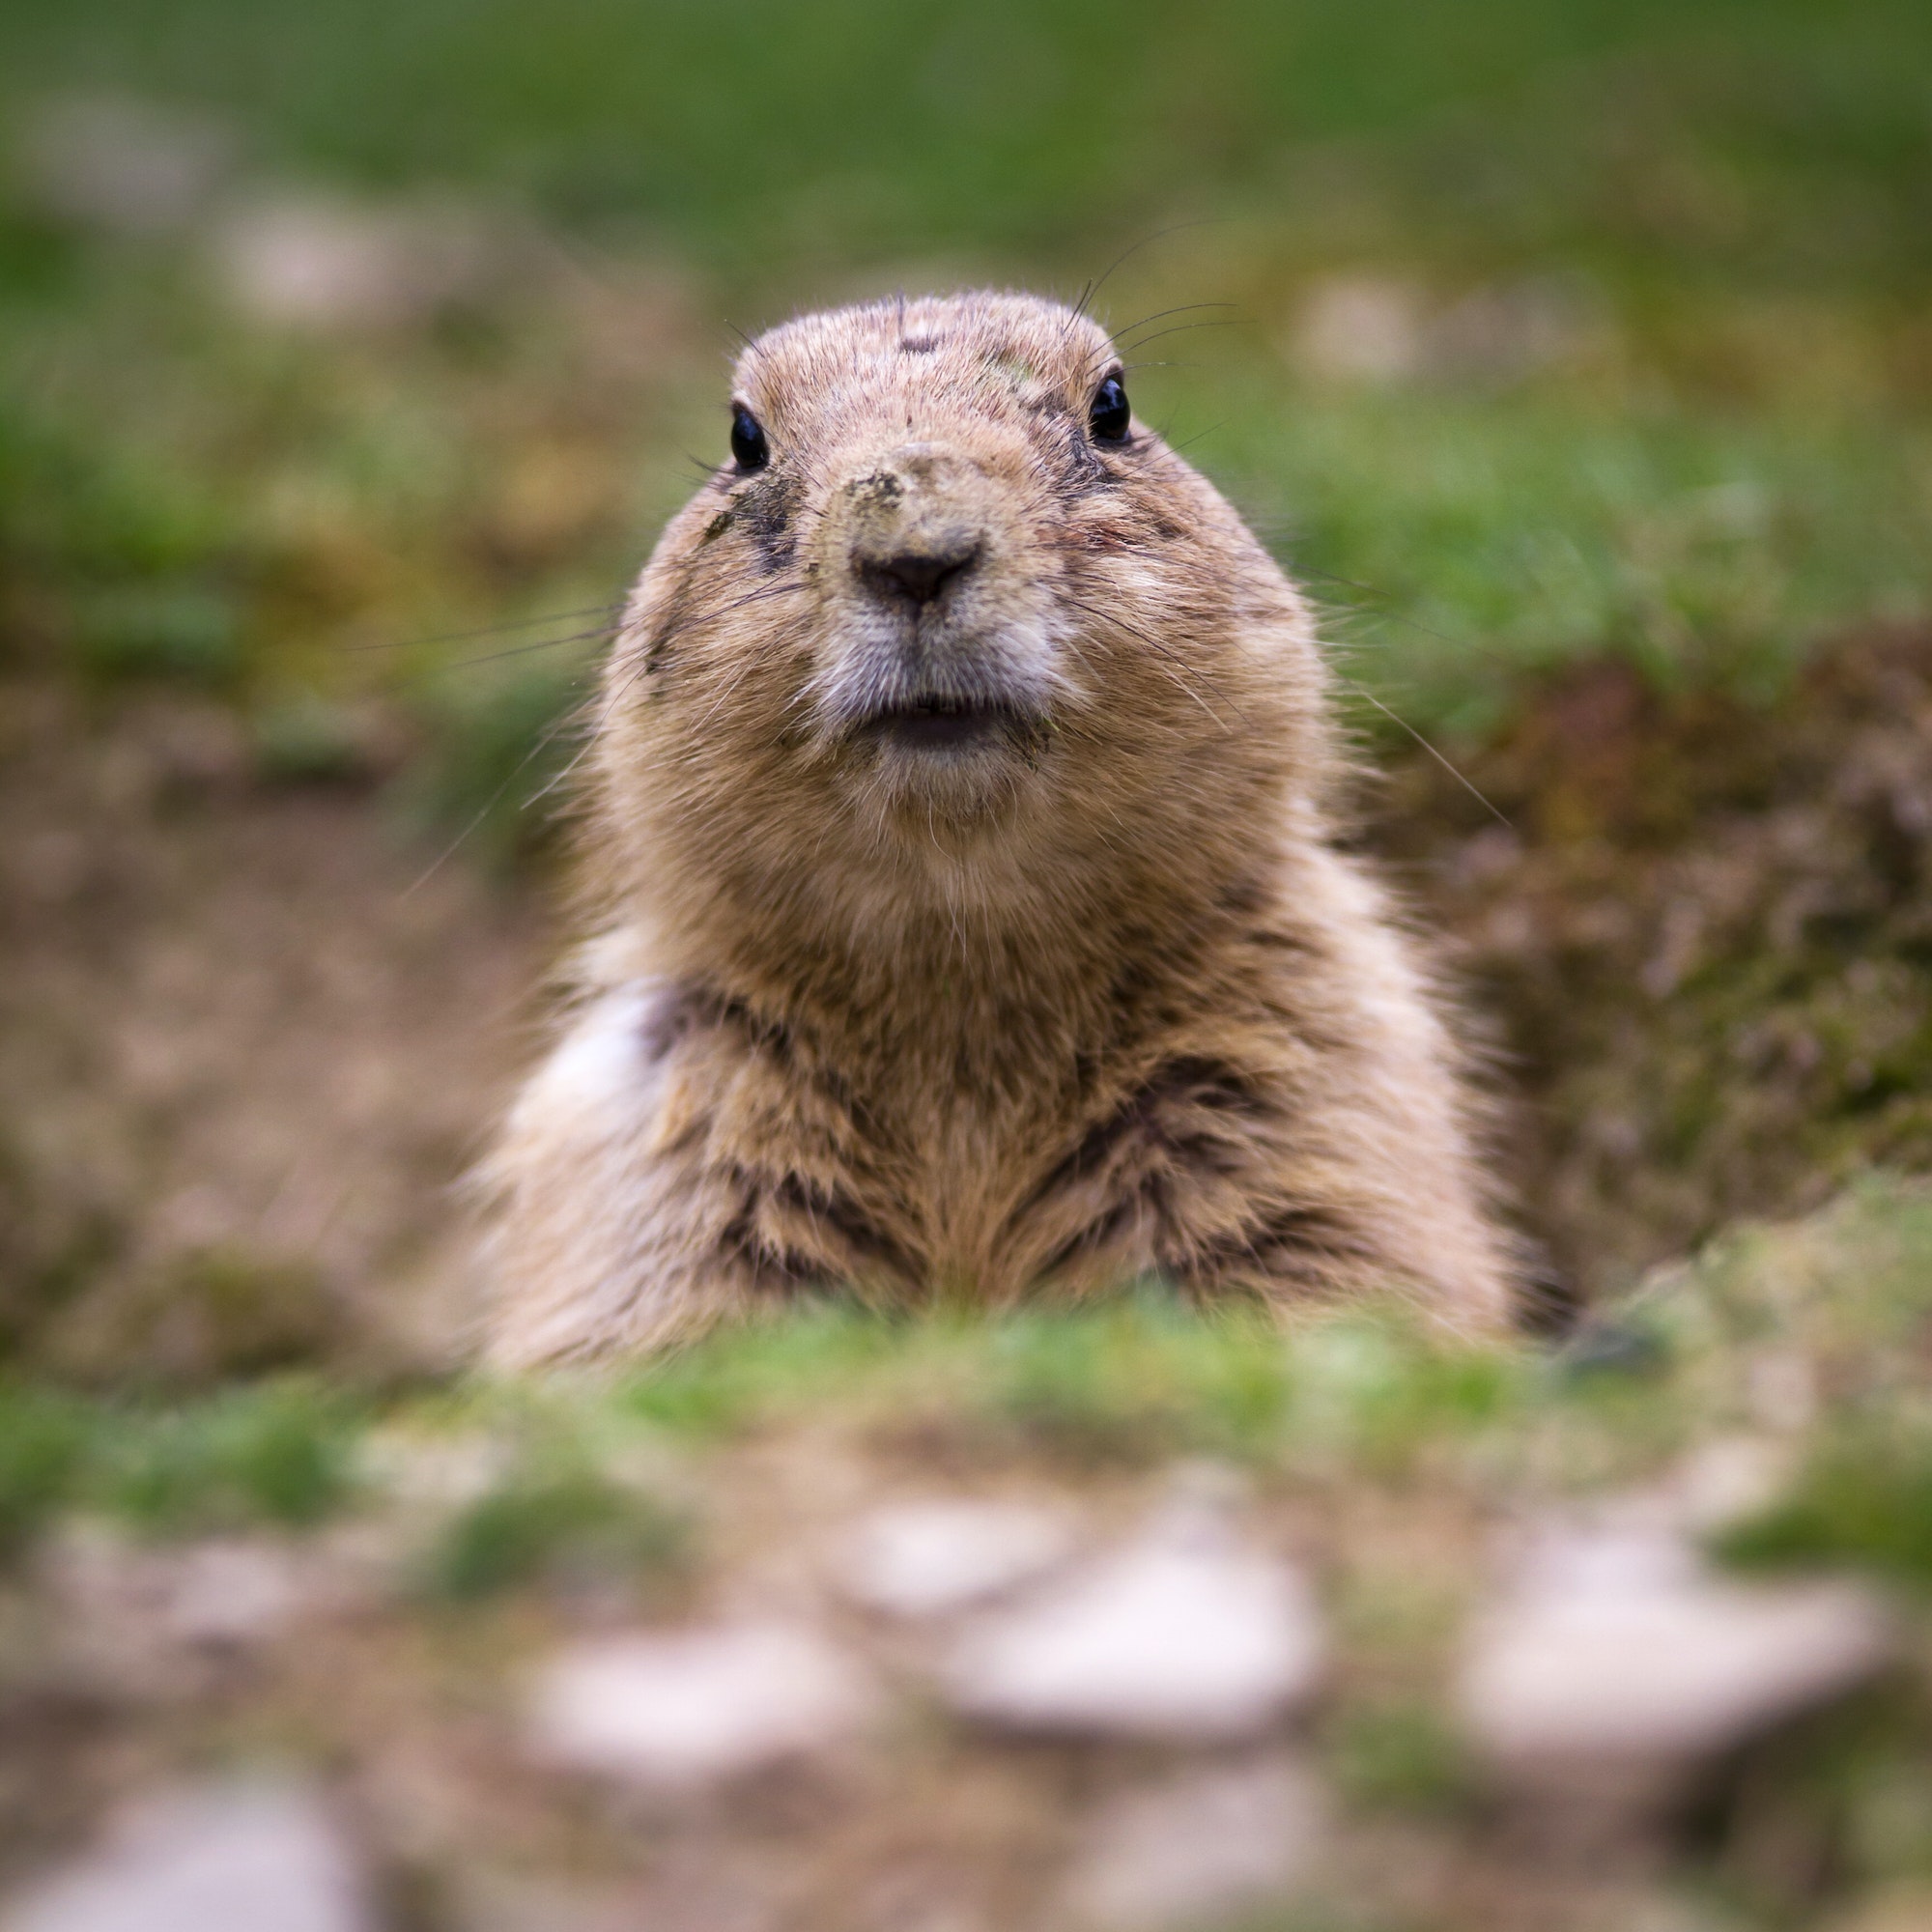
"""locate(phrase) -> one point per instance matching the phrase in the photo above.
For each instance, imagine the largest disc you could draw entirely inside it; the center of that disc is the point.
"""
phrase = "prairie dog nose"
(917, 523)
(918, 571)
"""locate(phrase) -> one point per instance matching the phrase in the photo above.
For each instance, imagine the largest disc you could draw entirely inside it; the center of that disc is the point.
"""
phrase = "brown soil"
(1703, 941)
(244, 1061)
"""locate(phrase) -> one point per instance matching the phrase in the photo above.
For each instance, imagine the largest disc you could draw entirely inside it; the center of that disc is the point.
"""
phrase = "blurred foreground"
(1119, 1619)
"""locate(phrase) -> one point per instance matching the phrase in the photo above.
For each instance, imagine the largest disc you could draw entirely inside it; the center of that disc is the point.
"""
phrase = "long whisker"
(1161, 315)
(731, 685)
(757, 596)
(1200, 435)
(1383, 608)
(497, 657)
(1093, 288)
(1179, 328)
(544, 739)
(1488, 806)
(696, 618)
(1170, 660)
(583, 752)
(1119, 344)
(1160, 235)
(485, 630)
(1280, 531)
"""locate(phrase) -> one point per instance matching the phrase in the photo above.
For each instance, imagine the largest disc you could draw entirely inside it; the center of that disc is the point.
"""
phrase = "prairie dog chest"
(686, 1089)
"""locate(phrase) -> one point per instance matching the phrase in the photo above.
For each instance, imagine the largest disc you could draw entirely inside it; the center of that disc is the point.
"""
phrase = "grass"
(850, 126)
(1399, 1755)
(1864, 1501)
(553, 1523)
(1463, 544)
(1723, 456)
(275, 1453)
(1363, 1395)
(1136, 1377)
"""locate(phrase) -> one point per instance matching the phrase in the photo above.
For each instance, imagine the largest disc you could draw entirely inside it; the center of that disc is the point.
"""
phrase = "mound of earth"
(1702, 941)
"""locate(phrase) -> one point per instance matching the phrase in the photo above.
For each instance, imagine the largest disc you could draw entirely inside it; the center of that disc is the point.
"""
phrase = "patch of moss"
(556, 1524)
(1863, 1500)
(768, 1366)
(1132, 1378)
(1705, 935)
(199, 1318)
(1399, 1755)
(279, 1453)
(42, 1441)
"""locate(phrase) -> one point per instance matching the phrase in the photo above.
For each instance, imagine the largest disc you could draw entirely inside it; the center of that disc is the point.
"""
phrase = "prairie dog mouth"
(946, 726)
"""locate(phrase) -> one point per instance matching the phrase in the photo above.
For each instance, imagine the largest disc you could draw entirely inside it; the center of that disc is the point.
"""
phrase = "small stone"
(1182, 1635)
(1620, 1666)
(158, 1622)
(124, 166)
(696, 1707)
(482, 1898)
(1365, 328)
(324, 264)
(925, 1560)
(263, 1857)
(233, 1593)
(1202, 1845)
(1728, 1479)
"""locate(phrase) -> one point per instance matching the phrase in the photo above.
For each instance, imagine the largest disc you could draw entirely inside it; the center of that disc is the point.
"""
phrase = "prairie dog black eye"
(1108, 415)
(749, 448)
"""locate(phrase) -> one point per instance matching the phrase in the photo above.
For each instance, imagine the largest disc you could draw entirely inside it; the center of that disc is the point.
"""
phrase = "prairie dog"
(968, 916)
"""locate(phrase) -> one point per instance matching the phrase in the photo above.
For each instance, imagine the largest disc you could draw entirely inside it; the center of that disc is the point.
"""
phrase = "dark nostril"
(918, 575)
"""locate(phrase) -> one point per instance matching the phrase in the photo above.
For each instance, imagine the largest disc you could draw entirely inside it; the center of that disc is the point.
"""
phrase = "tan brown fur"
(1089, 994)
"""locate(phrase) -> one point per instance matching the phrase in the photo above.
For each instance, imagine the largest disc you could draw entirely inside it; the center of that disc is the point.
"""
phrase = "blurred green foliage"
(845, 129)
(1658, 276)
(41, 1440)
(272, 1453)
(1863, 1500)
(277, 1453)
(1400, 1755)
(1128, 1380)
(559, 1522)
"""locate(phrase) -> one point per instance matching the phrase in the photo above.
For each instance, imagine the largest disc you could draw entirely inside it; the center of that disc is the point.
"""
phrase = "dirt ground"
(246, 1054)
(1701, 944)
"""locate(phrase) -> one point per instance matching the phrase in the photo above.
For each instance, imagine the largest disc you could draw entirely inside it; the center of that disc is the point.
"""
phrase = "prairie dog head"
(952, 625)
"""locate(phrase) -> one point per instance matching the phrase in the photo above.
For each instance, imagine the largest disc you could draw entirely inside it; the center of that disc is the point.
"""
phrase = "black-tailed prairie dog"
(967, 916)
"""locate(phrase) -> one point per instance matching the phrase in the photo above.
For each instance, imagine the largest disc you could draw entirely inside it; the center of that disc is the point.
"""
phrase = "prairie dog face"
(947, 587)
